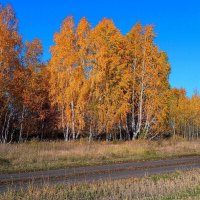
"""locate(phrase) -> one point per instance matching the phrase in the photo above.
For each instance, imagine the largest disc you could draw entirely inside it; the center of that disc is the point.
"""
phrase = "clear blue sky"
(177, 24)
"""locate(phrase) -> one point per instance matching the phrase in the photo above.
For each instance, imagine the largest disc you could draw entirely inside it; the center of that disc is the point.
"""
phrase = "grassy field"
(163, 187)
(35, 155)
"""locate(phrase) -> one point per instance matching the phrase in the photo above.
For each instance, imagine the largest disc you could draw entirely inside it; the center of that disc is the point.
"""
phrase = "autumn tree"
(30, 89)
(10, 45)
(67, 69)
(79, 85)
(108, 77)
(149, 81)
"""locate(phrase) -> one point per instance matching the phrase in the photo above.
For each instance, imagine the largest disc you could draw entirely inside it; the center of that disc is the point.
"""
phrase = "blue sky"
(177, 24)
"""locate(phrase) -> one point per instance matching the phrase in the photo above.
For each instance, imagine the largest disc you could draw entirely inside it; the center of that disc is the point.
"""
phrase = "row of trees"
(97, 84)
(108, 83)
(185, 114)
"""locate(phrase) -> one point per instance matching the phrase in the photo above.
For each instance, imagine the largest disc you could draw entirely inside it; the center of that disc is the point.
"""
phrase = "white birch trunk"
(73, 121)
(21, 125)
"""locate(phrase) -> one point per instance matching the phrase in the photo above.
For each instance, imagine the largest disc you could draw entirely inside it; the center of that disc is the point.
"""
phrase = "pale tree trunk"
(78, 134)
(66, 135)
(62, 120)
(189, 132)
(174, 127)
(140, 105)
(133, 96)
(7, 129)
(65, 129)
(120, 130)
(133, 109)
(147, 126)
(3, 128)
(11, 136)
(21, 124)
(73, 121)
(185, 130)
(91, 134)
(140, 109)
(108, 137)
(192, 132)
(127, 130)
(27, 132)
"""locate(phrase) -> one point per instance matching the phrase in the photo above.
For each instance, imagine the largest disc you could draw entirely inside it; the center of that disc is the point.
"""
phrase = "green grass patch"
(180, 185)
(190, 193)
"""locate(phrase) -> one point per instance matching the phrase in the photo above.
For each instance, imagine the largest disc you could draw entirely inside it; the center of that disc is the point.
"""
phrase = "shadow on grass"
(4, 162)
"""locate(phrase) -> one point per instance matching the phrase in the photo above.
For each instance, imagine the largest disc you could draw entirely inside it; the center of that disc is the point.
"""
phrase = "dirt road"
(97, 173)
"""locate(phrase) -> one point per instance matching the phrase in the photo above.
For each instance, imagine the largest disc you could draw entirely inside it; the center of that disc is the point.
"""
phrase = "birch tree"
(10, 46)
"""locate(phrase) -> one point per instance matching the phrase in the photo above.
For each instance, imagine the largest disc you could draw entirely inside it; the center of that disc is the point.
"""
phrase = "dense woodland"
(98, 84)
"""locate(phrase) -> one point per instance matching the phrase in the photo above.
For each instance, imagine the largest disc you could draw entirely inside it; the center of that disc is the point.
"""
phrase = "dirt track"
(97, 173)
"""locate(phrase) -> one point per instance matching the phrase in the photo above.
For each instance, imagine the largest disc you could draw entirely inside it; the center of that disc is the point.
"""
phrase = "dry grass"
(50, 155)
(172, 186)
